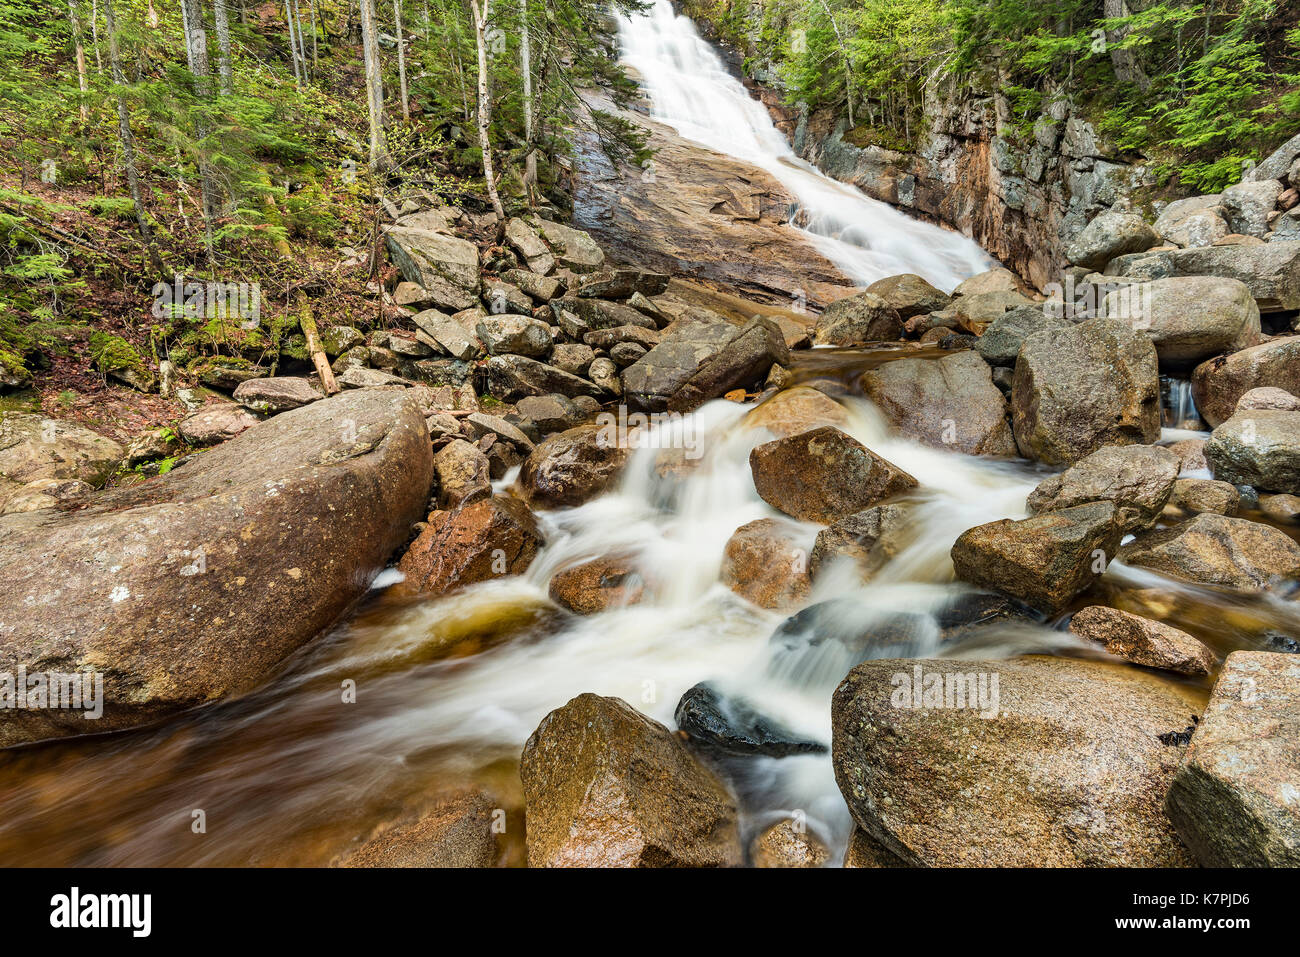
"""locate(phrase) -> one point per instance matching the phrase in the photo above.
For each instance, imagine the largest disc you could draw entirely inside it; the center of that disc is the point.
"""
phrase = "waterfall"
(690, 90)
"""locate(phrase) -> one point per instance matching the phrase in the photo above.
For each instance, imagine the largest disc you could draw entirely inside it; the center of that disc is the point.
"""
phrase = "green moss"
(110, 353)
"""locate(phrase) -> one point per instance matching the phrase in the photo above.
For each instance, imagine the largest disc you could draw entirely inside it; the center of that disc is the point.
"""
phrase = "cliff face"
(1022, 198)
(1022, 195)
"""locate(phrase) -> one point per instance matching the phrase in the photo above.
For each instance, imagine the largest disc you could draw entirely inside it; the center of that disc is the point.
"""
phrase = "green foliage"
(110, 353)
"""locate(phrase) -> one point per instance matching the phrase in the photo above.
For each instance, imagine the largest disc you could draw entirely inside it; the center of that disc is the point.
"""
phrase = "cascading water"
(690, 90)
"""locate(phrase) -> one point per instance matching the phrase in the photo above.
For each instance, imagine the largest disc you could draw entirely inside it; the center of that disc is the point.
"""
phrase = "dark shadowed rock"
(605, 786)
(1138, 479)
(823, 475)
(1077, 389)
(1232, 553)
(731, 724)
(622, 284)
(1071, 771)
(820, 643)
(1233, 799)
(1142, 641)
(1045, 560)
(275, 394)
(947, 403)
(198, 584)
(743, 362)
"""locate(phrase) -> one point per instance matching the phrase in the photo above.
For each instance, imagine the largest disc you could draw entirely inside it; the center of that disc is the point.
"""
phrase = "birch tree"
(78, 39)
(484, 102)
(401, 58)
(526, 68)
(222, 23)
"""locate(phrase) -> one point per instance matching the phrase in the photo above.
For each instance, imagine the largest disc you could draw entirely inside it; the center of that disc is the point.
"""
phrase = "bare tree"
(484, 103)
(77, 38)
(401, 58)
(293, 45)
(196, 54)
(124, 124)
(1125, 62)
(379, 158)
(526, 68)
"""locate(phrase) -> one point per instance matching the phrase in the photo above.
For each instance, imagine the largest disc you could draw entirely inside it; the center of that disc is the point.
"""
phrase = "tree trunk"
(485, 104)
(401, 58)
(526, 68)
(222, 23)
(315, 32)
(307, 322)
(75, 17)
(293, 45)
(302, 44)
(94, 35)
(124, 124)
(379, 158)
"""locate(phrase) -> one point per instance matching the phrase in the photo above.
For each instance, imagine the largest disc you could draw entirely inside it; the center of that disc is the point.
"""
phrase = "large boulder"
(1248, 205)
(525, 240)
(445, 266)
(198, 584)
(1189, 319)
(1077, 389)
(1151, 644)
(484, 540)
(605, 786)
(1138, 479)
(1218, 384)
(514, 335)
(1232, 553)
(858, 320)
(1233, 800)
(1043, 561)
(1070, 771)
(34, 447)
(909, 295)
(1258, 447)
(698, 360)
(1002, 339)
(622, 284)
(796, 410)
(573, 248)
(766, 561)
(512, 377)
(1279, 163)
(573, 466)
(218, 422)
(1270, 270)
(823, 475)
(1113, 233)
(948, 403)
(275, 394)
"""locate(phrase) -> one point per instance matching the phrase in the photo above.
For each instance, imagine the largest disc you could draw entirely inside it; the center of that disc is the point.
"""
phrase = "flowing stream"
(690, 89)
(449, 689)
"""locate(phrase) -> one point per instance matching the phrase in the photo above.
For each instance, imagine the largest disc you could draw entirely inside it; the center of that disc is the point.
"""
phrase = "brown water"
(449, 689)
